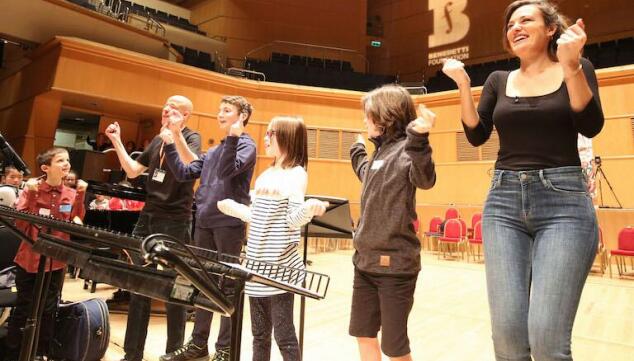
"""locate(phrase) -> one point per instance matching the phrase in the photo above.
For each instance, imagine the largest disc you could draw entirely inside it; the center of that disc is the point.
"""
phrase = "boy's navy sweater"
(225, 171)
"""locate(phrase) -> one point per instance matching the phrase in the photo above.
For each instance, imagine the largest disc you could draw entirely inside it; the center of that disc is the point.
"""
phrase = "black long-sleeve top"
(535, 132)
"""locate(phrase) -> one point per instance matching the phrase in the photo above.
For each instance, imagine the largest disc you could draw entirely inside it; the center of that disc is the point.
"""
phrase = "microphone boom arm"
(161, 254)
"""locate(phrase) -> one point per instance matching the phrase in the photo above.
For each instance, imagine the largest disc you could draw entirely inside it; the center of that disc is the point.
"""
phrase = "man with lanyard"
(168, 210)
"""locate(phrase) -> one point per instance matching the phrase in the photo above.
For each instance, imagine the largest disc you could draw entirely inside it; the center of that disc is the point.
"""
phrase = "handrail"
(150, 21)
(234, 70)
(416, 90)
(323, 47)
(117, 10)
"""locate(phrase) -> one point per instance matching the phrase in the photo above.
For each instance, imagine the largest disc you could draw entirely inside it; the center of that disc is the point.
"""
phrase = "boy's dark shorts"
(383, 302)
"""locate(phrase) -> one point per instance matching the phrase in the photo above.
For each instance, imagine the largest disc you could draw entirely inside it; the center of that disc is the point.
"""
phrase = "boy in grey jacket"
(387, 257)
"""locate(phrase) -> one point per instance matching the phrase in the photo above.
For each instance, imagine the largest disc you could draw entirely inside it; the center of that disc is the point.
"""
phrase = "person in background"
(100, 202)
(586, 156)
(12, 176)
(103, 142)
(130, 146)
(144, 145)
(70, 180)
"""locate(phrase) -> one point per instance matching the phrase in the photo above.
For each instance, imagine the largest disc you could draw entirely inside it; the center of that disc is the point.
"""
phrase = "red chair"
(625, 251)
(463, 231)
(433, 232)
(463, 234)
(452, 237)
(451, 213)
(475, 241)
(477, 217)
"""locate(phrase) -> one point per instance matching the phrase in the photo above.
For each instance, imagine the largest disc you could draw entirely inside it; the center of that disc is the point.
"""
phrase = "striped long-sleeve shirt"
(276, 215)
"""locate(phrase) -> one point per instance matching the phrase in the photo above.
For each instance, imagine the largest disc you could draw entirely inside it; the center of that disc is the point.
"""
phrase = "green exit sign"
(375, 43)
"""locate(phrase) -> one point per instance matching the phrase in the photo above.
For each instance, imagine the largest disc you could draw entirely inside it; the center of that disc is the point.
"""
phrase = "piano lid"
(117, 190)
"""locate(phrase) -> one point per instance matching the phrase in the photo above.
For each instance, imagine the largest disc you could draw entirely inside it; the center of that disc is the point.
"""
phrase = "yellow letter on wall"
(451, 24)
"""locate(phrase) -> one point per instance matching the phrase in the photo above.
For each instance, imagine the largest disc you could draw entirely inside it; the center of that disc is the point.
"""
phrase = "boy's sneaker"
(222, 354)
(189, 352)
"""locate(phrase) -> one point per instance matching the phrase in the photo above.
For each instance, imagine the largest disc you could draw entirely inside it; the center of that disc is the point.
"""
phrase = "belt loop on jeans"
(542, 178)
(499, 180)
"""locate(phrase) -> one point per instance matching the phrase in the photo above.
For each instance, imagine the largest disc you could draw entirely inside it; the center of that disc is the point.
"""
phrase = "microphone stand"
(30, 336)
(599, 171)
(161, 254)
(13, 157)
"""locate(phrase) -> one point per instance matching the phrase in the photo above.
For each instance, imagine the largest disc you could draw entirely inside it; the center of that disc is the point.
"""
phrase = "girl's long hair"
(292, 139)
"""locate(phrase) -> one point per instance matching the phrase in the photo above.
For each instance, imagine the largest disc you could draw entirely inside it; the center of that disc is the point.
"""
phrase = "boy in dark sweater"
(387, 257)
(225, 171)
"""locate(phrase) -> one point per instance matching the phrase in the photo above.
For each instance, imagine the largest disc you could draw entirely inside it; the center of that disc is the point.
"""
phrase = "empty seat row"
(193, 57)
(315, 76)
(332, 64)
(147, 11)
(83, 3)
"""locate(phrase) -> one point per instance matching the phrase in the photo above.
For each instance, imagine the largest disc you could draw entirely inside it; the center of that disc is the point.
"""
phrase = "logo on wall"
(451, 25)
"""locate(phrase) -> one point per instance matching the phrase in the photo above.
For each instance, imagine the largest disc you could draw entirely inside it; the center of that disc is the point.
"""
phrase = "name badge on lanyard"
(377, 164)
(158, 175)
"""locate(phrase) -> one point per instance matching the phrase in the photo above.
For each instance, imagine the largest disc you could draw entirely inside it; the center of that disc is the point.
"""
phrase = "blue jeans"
(540, 236)
(140, 306)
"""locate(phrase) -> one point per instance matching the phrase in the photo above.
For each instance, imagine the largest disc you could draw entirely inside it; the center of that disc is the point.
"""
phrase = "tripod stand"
(601, 174)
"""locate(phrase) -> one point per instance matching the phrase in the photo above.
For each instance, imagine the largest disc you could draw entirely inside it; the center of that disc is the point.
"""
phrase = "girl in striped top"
(277, 212)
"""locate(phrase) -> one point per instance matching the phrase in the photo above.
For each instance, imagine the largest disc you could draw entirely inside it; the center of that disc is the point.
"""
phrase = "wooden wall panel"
(611, 222)
(607, 144)
(617, 97)
(129, 128)
(444, 146)
(33, 129)
(35, 78)
(14, 123)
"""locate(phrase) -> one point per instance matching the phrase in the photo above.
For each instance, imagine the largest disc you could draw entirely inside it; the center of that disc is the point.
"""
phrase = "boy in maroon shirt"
(46, 197)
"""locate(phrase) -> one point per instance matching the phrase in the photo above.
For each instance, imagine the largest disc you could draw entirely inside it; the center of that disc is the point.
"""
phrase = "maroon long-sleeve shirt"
(59, 202)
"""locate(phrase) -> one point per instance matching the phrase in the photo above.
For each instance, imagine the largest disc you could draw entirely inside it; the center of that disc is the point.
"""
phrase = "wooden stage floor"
(449, 321)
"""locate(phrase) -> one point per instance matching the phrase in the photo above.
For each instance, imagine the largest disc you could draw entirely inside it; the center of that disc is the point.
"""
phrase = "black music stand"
(335, 223)
(28, 346)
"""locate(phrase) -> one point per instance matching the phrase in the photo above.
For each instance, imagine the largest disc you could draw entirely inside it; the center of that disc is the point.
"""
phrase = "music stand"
(31, 331)
(335, 223)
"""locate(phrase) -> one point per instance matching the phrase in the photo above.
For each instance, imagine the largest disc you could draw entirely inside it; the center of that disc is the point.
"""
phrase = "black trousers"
(228, 241)
(140, 306)
(25, 283)
(269, 314)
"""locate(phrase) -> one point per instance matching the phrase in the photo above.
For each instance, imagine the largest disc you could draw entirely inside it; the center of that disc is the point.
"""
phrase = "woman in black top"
(539, 226)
